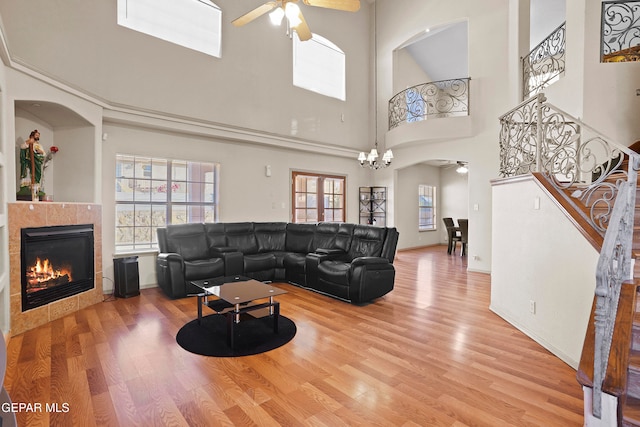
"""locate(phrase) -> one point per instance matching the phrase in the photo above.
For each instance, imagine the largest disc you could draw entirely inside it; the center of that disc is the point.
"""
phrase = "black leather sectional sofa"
(348, 261)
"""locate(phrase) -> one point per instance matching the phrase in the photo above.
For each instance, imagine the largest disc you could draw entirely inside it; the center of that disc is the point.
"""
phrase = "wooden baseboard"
(420, 247)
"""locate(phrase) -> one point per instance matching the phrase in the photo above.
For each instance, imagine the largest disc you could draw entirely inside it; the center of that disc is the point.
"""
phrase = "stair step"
(631, 412)
(633, 383)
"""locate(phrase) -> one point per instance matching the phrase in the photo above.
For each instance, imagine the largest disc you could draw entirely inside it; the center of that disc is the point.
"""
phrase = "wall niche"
(70, 176)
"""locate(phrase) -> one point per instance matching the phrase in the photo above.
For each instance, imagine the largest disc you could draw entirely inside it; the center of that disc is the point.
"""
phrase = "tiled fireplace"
(53, 227)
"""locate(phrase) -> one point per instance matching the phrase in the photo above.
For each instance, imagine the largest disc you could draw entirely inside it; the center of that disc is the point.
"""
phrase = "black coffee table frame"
(234, 307)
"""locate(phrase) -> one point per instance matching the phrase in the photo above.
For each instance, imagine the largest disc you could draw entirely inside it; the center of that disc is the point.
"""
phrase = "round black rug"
(252, 336)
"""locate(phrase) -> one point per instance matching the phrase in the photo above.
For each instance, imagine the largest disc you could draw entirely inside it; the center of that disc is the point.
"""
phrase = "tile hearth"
(43, 214)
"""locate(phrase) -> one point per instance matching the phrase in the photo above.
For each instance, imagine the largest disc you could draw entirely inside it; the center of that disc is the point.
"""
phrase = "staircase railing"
(545, 63)
(601, 177)
(444, 98)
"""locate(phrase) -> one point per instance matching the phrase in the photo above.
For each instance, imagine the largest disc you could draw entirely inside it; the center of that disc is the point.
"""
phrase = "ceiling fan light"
(276, 16)
(292, 11)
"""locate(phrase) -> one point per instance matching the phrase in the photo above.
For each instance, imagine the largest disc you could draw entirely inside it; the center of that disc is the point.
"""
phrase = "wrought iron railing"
(445, 98)
(620, 34)
(545, 63)
(600, 176)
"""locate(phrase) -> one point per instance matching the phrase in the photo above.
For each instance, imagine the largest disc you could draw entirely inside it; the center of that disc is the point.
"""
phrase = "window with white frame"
(426, 207)
(152, 193)
(195, 24)
(319, 66)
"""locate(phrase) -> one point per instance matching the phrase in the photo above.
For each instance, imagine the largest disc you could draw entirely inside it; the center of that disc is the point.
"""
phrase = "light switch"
(536, 203)
(476, 207)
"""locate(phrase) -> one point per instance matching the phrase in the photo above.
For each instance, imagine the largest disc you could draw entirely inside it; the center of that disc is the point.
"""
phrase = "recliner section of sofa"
(348, 261)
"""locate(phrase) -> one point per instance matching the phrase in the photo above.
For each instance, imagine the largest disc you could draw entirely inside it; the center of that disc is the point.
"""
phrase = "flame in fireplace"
(43, 275)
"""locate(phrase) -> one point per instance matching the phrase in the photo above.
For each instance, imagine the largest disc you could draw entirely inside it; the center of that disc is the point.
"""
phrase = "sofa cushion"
(294, 261)
(270, 236)
(300, 238)
(367, 241)
(259, 262)
(325, 236)
(241, 236)
(216, 236)
(334, 272)
(203, 269)
(344, 236)
(188, 240)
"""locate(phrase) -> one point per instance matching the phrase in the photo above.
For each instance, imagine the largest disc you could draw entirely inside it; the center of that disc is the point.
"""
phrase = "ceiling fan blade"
(304, 33)
(255, 13)
(347, 5)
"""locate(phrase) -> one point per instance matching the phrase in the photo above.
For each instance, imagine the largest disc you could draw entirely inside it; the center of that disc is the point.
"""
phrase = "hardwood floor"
(429, 353)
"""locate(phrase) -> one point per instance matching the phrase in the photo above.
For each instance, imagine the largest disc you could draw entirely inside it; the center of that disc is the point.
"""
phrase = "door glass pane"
(301, 184)
(312, 201)
(312, 185)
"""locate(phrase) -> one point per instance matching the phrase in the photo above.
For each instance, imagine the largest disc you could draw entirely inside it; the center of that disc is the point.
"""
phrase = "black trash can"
(125, 277)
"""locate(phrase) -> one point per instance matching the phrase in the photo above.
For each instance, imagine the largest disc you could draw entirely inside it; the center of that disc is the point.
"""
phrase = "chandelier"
(371, 159)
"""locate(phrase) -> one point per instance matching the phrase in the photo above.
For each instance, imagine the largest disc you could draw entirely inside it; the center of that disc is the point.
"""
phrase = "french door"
(317, 197)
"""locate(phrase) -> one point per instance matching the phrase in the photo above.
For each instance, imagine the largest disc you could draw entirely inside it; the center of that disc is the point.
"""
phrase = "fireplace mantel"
(43, 214)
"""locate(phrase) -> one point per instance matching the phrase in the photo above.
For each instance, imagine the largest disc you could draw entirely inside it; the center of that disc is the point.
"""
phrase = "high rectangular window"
(195, 24)
(426, 207)
(152, 193)
(319, 66)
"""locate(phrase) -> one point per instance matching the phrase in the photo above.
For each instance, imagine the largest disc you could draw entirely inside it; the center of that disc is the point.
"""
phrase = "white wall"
(406, 72)
(246, 194)
(453, 200)
(6, 157)
(488, 24)
(540, 256)
(407, 197)
(250, 87)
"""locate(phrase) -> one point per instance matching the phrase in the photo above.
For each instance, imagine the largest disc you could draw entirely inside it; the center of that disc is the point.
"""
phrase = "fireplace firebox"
(57, 262)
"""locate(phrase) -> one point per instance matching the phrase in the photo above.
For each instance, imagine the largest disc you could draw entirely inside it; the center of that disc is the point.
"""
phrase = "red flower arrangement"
(53, 150)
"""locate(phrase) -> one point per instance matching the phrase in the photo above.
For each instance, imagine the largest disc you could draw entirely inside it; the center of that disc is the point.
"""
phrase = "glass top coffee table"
(236, 297)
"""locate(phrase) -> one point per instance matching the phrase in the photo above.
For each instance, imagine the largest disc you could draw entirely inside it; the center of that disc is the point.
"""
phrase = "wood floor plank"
(428, 353)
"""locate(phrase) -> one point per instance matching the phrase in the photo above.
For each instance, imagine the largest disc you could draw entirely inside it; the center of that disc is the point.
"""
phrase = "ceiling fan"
(295, 21)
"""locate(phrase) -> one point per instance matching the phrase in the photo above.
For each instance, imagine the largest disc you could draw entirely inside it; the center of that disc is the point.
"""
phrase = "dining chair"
(453, 234)
(463, 225)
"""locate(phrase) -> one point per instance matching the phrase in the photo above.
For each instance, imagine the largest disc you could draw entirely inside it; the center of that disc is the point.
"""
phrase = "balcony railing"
(620, 39)
(545, 63)
(445, 98)
(600, 176)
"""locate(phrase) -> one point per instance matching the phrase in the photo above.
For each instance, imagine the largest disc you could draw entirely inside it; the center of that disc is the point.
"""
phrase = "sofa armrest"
(325, 251)
(371, 278)
(369, 261)
(313, 260)
(170, 274)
